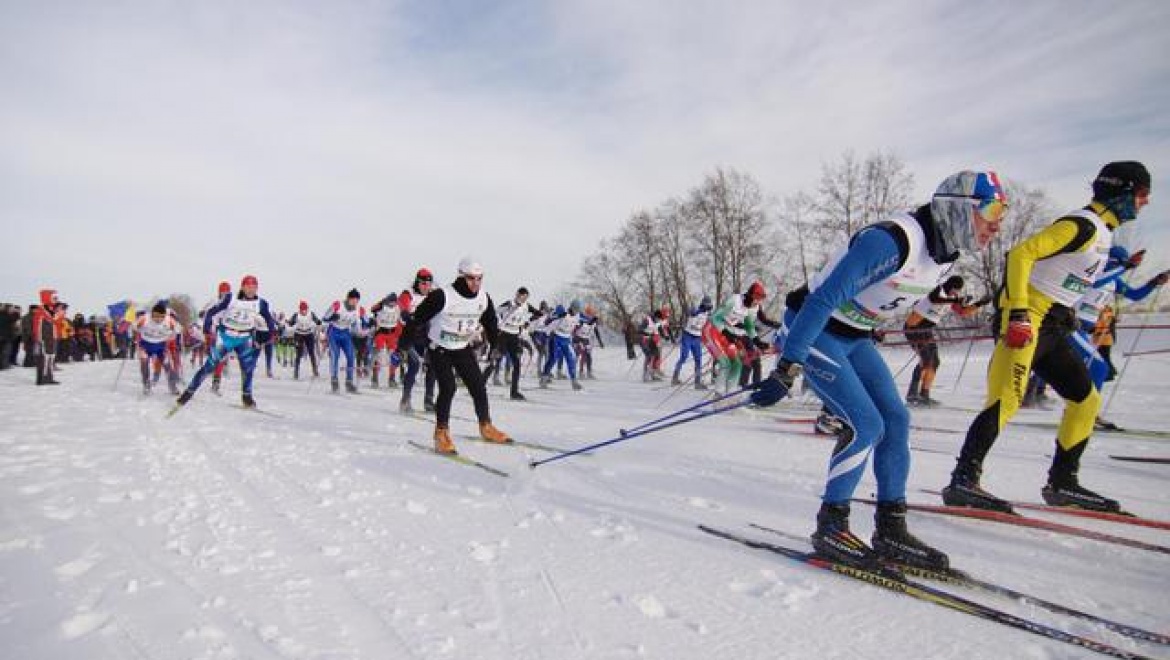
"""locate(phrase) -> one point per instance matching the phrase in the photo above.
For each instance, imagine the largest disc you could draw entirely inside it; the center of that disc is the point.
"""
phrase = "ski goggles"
(992, 210)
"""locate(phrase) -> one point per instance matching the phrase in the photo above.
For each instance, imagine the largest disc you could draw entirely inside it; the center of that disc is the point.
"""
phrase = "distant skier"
(343, 319)
(561, 324)
(882, 270)
(413, 348)
(729, 331)
(919, 327)
(387, 329)
(157, 333)
(305, 325)
(691, 343)
(514, 315)
(451, 316)
(42, 336)
(234, 320)
(583, 337)
(654, 329)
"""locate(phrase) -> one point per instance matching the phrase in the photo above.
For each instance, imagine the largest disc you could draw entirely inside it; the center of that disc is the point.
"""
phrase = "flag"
(117, 311)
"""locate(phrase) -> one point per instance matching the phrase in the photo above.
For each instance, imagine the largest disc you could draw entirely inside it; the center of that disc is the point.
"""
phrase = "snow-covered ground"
(222, 533)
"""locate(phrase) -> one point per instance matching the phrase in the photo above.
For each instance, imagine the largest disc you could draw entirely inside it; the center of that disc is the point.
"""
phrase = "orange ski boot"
(443, 443)
(489, 432)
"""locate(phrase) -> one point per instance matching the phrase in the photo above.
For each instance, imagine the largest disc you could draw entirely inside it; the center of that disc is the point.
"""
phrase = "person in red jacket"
(44, 337)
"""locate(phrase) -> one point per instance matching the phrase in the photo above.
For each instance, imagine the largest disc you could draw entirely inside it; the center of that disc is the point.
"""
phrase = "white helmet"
(469, 266)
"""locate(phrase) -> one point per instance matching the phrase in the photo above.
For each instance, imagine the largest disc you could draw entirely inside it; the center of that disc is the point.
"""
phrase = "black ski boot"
(835, 542)
(248, 401)
(516, 396)
(184, 397)
(1064, 489)
(428, 405)
(350, 387)
(334, 386)
(964, 490)
(215, 382)
(893, 543)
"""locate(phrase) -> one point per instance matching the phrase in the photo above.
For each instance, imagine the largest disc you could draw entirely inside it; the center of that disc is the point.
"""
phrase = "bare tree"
(853, 194)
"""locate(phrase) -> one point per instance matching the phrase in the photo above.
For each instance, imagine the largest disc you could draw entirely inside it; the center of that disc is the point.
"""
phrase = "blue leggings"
(853, 380)
(689, 346)
(340, 342)
(225, 345)
(1098, 369)
(561, 348)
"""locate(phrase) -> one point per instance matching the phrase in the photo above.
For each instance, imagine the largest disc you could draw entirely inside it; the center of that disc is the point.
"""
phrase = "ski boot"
(544, 381)
(516, 396)
(674, 380)
(350, 387)
(893, 543)
(334, 386)
(374, 381)
(184, 398)
(835, 542)
(404, 407)
(964, 490)
(490, 433)
(428, 405)
(925, 401)
(1064, 489)
(146, 388)
(248, 401)
(391, 383)
(215, 383)
(576, 385)
(443, 442)
(1102, 424)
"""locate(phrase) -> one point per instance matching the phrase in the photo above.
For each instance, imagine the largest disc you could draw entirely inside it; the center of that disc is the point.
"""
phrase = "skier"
(691, 344)
(729, 330)
(387, 329)
(414, 349)
(451, 317)
(344, 319)
(560, 327)
(209, 337)
(157, 333)
(1046, 274)
(305, 325)
(43, 336)
(654, 328)
(361, 344)
(919, 328)
(514, 315)
(234, 320)
(583, 336)
(884, 268)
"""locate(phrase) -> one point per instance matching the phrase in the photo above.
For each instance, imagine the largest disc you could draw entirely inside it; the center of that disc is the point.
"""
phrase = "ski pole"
(963, 368)
(120, 368)
(1132, 347)
(631, 435)
(705, 402)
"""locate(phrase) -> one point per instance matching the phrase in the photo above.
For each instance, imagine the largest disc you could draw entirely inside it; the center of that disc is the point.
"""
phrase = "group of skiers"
(897, 267)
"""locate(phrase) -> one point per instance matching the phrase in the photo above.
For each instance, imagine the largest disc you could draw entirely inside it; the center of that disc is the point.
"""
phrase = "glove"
(777, 385)
(1019, 330)
(1162, 278)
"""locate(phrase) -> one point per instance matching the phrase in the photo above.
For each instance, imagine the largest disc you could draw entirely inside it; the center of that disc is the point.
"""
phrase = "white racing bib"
(1067, 276)
(458, 321)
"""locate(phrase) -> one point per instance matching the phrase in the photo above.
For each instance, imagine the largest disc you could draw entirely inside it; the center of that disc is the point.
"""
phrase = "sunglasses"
(992, 210)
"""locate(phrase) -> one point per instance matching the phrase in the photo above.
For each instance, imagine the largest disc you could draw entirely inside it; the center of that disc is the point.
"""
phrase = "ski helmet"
(575, 306)
(224, 287)
(757, 291)
(469, 266)
(705, 303)
(48, 297)
(559, 311)
(953, 283)
(303, 306)
(249, 280)
(955, 201)
(424, 275)
(1118, 184)
(353, 293)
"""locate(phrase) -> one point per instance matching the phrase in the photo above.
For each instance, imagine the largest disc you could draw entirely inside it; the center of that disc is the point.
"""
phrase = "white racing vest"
(584, 330)
(304, 324)
(456, 324)
(157, 333)
(514, 317)
(564, 326)
(881, 301)
(347, 319)
(696, 323)
(241, 316)
(932, 311)
(1067, 276)
(387, 317)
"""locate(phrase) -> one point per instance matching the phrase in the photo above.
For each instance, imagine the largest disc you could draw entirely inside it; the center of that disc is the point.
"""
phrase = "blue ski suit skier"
(691, 343)
(884, 269)
(1094, 301)
(238, 317)
(561, 326)
(344, 320)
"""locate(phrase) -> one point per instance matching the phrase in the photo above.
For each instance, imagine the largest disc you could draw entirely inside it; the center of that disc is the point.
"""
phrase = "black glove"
(777, 385)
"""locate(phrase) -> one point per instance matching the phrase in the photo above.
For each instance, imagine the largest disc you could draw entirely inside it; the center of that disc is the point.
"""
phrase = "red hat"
(424, 275)
(756, 291)
(225, 287)
(48, 297)
(249, 279)
(303, 306)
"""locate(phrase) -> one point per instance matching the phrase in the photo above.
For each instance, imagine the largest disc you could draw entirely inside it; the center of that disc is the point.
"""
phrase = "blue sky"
(156, 147)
